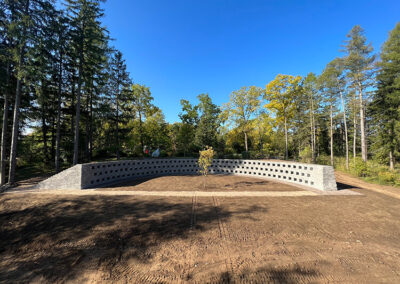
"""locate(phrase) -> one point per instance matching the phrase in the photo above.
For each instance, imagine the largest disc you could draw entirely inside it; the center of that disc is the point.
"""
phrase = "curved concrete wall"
(93, 175)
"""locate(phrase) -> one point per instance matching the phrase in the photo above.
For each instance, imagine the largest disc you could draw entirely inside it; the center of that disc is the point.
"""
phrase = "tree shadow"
(290, 275)
(60, 239)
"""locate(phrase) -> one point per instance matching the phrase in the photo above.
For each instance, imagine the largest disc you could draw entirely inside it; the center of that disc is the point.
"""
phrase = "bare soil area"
(228, 183)
(48, 238)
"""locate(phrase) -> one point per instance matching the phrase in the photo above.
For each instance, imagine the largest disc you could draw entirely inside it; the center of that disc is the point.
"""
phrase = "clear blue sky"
(183, 48)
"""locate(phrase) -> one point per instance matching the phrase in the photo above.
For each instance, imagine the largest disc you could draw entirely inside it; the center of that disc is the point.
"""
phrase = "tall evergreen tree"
(26, 27)
(5, 74)
(86, 33)
(334, 76)
(360, 62)
(328, 82)
(119, 81)
(310, 88)
(386, 101)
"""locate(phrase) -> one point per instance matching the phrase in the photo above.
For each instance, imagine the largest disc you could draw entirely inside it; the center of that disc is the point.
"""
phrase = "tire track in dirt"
(193, 215)
(189, 264)
(225, 236)
(133, 274)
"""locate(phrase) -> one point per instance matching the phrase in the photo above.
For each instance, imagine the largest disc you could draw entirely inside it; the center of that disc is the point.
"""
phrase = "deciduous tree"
(241, 108)
(281, 94)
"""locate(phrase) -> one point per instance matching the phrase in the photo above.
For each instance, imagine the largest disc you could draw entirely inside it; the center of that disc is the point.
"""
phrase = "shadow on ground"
(342, 186)
(289, 275)
(57, 240)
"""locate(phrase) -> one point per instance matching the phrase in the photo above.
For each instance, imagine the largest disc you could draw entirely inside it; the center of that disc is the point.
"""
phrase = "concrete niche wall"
(93, 175)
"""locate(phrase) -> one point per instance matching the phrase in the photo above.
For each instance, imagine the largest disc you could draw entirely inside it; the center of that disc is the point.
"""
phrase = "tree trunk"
(391, 160)
(355, 132)
(14, 138)
(44, 132)
(58, 135)
(260, 131)
(245, 141)
(392, 145)
(3, 155)
(53, 137)
(331, 128)
(141, 131)
(15, 129)
(286, 141)
(73, 106)
(78, 106)
(362, 127)
(312, 126)
(87, 127)
(315, 140)
(117, 116)
(345, 130)
(91, 128)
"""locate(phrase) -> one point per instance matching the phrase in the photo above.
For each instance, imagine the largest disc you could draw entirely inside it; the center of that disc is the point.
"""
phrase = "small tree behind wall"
(205, 161)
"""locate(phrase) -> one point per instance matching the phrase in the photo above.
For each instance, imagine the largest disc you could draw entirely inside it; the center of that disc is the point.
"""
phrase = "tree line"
(60, 78)
(68, 98)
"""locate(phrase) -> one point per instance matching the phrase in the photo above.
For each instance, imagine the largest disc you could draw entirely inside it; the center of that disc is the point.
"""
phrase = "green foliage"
(323, 159)
(65, 54)
(306, 155)
(282, 95)
(209, 122)
(387, 177)
(371, 171)
(359, 167)
(386, 100)
(242, 106)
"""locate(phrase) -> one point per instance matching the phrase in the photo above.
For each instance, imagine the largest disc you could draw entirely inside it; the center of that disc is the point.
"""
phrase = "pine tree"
(335, 74)
(87, 40)
(61, 31)
(310, 88)
(119, 81)
(359, 61)
(331, 89)
(386, 101)
(5, 73)
(28, 20)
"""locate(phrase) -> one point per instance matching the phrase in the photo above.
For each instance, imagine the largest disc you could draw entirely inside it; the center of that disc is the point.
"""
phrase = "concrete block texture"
(94, 175)
(70, 178)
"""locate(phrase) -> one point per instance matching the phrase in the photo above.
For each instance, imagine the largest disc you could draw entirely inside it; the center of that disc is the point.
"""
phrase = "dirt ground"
(213, 183)
(48, 238)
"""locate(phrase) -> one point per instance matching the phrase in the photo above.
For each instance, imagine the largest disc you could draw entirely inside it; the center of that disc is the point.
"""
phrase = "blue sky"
(181, 48)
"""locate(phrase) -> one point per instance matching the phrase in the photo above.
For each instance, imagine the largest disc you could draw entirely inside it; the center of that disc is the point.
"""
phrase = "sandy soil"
(226, 183)
(137, 239)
